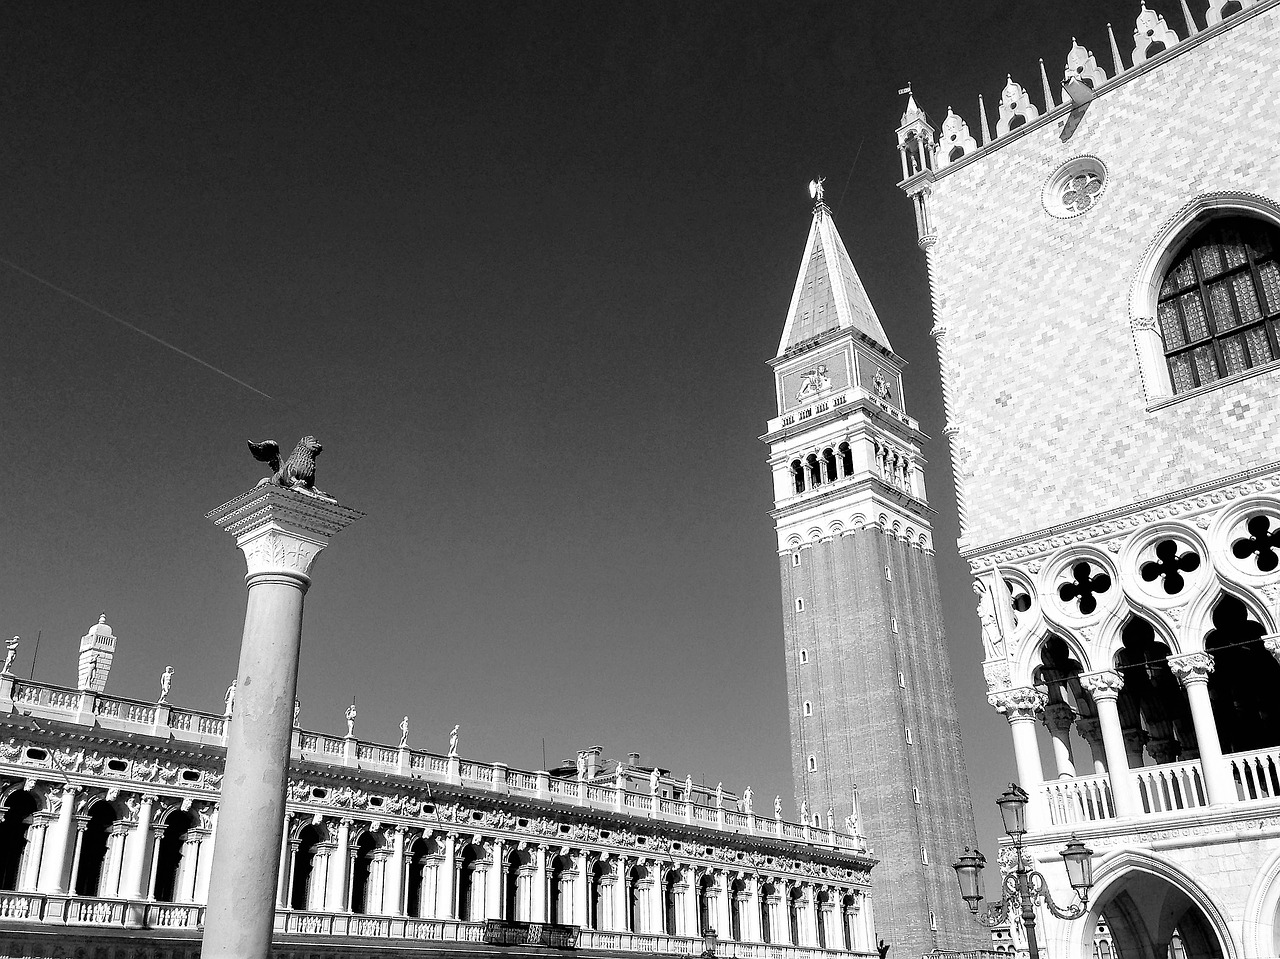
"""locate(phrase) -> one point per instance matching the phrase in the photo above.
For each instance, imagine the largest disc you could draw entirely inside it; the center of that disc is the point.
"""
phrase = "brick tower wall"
(861, 714)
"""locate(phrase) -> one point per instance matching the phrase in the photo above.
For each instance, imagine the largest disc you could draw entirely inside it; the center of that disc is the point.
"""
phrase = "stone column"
(53, 868)
(1020, 706)
(1059, 717)
(136, 864)
(30, 879)
(81, 823)
(281, 532)
(1090, 731)
(204, 865)
(722, 918)
(288, 852)
(494, 890)
(1192, 670)
(1105, 688)
(620, 894)
(444, 890)
(336, 895)
(581, 892)
(393, 904)
(157, 835)
(115, 857)
(538, 901)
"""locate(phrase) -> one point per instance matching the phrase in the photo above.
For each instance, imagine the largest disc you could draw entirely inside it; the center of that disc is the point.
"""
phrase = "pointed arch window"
(1219, 303)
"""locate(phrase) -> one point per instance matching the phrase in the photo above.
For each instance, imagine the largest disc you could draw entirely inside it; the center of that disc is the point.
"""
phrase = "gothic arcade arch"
(1146, 899)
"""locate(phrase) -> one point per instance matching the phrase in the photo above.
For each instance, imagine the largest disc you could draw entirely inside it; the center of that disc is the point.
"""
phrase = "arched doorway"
(560, 908)
(670, 901)
(1150, 908)
(635, 907)
(366, 874)
(172, 867)
(596, 896)
(519, 904)
(424, 863)
(470, 884)
(767, 896)
(92, 873)
(706, 898)
(737, 903)
(304, 871)
(15, 827)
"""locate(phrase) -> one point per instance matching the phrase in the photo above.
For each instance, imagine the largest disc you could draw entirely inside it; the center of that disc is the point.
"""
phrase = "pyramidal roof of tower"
(829, 294)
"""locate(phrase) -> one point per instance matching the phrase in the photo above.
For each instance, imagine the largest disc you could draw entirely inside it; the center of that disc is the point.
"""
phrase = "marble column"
(1192, 671)
(446, 882)
(137, 847)
(204, 865)
(538, 902)
(30, 879)
(1020, 706)
(1059, 718)
(1104, 687)
(281, 532)
(339, 869)
(1090, 731)
(393, 904)
(620, 867)
(53, 870)
(288, 853)
(581, 890)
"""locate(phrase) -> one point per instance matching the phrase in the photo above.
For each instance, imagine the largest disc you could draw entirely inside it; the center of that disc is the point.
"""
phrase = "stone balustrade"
(18, 909)
(86, 708)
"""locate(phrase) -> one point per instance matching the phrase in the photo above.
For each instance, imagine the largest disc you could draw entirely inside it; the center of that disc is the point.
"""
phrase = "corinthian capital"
(1023, 702)
(1191, 668)
(1103, 685)
(281, 531)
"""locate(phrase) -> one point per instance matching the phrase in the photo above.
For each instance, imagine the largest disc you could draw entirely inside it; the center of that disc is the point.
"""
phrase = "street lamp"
(709, 940)
(1024, 886)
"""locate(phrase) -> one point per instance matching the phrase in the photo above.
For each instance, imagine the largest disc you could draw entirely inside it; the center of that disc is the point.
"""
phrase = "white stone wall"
(1045, 380)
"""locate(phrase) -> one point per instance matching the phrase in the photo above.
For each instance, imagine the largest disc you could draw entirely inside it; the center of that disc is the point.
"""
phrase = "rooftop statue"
(10, 653)
(299, 470)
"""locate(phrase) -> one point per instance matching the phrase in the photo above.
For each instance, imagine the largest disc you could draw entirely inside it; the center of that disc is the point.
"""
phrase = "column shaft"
(240, 914)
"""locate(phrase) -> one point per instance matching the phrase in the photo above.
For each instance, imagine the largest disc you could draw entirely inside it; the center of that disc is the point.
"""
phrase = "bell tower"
(875, 741)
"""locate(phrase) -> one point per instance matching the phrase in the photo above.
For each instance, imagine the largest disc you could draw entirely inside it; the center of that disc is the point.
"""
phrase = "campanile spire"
(874, 733)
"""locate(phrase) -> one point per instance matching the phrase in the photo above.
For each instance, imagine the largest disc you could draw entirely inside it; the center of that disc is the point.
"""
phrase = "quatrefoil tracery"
(1261, 543)
(1083, 586)
(1169, 565)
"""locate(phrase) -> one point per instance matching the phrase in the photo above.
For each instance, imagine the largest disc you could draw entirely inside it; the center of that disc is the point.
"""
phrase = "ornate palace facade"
(1106, 291)
(109, 812)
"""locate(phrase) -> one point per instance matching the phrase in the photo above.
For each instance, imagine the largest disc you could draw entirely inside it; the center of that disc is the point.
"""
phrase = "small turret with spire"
(97, 649)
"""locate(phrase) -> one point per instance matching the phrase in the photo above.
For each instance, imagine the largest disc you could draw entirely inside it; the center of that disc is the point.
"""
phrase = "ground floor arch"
(1147, 903)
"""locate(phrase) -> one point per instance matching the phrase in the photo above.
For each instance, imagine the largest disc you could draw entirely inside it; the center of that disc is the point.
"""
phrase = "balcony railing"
(1082, 799)
(88, 708)
(61, 910)
(1166, 789)
(1171, 787)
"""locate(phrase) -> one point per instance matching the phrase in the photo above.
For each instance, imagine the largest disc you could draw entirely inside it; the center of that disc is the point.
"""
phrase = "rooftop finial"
(816, 191)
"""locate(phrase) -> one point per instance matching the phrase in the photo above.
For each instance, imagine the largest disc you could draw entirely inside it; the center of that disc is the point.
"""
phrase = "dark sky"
(519, 267)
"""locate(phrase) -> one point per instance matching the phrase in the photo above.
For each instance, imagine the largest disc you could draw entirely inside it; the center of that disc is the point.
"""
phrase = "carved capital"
(1023, 702)
(280, 531)
(1103, 685)
(1272, 645)
(1090, 729)
(1059, 716)
(1191, 668)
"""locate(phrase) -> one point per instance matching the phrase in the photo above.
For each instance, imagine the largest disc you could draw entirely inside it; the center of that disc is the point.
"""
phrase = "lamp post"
(709, 940)
(1024, 886)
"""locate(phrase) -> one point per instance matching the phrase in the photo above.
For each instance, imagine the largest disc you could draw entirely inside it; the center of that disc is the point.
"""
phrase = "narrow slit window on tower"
(933, 920)
(888, 574)
(909, 742)
(915, 795)
(799, 605)
(795, 559)
(924, 856)
(902, 681)
(893, 622)
(804, 656)
(813, 764)
(808, 708)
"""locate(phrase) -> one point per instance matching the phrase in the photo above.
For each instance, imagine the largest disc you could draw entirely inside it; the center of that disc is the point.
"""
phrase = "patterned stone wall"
(1054, 420)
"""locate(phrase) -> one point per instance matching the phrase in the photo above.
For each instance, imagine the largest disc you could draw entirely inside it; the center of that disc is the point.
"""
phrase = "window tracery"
(1220, 302)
